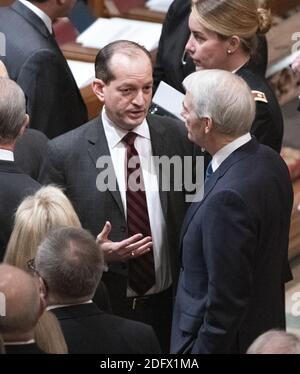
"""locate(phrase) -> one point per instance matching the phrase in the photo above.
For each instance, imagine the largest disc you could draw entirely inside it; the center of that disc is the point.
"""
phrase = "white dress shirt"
(42, 15)
(226, 151)
(117, 148)
(6, 155)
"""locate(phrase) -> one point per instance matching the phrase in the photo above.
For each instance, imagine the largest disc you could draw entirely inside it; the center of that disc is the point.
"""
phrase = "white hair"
(224, 97)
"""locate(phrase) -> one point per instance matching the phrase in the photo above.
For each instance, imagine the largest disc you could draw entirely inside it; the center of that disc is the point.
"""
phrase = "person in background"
(173, 63)
(70, 265)
(224, 36)
(23, 310)
(275, 342)
(36, 216)
(14, 184)
(29, 148)
(234, 239)
(36, 63)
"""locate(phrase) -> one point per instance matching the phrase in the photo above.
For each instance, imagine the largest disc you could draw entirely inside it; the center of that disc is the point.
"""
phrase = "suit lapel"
(31, 18)
(158, 149)
(97, 147)
(209, 185)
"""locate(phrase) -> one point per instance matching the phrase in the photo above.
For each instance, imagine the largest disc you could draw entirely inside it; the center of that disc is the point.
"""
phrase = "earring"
(229, 51)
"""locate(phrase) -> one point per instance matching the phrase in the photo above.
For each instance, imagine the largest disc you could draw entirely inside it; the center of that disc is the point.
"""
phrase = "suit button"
(123, 228)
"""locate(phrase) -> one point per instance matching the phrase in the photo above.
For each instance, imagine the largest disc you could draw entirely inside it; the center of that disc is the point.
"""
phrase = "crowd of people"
(103, 249)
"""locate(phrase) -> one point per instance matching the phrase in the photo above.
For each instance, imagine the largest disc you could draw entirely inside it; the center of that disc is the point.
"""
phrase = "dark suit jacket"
(268, 123)
(175, 34)
(71, 162)
(14, 186)
(234, 255)
(29, 152)
(89, 330)
(27, 349)
(35, 62)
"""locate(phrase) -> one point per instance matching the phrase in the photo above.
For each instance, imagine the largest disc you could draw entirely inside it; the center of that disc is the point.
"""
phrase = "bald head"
(3, 71)
(275, 342)
(22, 300)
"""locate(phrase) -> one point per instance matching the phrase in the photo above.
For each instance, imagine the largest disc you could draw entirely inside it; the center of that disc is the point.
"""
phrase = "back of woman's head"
(38, 214)
(243, 18)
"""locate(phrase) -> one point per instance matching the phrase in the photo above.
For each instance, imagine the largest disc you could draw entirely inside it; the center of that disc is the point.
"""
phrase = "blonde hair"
(36, 216)
(49, 336)
(243, 18)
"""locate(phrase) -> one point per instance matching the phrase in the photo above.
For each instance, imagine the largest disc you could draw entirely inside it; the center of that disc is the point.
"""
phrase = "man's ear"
(208, 125)
(25, 125)
(98, 87)
(43, 294)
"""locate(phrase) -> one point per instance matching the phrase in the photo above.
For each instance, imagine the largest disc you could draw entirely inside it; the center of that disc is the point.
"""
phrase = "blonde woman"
(36, 216)
(47, 209)
(224, 35)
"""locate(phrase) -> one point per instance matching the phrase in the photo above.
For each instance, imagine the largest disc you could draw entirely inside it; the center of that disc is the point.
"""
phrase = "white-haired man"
(234, 241)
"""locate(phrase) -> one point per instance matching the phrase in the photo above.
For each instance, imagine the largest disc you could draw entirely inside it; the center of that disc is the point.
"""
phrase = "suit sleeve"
(265, 129)
(229, 242)
(42, 80)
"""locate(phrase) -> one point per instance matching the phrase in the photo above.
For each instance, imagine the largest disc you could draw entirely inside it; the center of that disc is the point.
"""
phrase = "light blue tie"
(209, 172)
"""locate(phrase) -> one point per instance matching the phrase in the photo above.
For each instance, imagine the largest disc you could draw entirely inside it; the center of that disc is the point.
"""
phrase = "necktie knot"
(129, 138)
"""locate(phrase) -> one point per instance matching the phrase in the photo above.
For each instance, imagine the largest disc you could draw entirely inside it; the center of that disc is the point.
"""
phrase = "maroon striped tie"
(141, 270)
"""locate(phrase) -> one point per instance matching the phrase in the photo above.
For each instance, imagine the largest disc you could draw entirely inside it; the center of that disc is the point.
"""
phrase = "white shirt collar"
(226, 151)
(6, 155)
(42, 15)
(56, 306)
(115, 134)
(237, 69)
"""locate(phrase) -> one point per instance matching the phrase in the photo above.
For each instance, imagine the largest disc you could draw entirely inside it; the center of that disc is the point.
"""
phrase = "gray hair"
(71, 264)
(275, 342)
(224, 97)
(12, 110)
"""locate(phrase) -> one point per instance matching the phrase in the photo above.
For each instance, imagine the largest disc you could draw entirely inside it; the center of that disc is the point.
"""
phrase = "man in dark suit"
(30, 152)
(234, 240)
(34, 60)
(23, 309)
(14, 184)
(70, 266)
(81, 160)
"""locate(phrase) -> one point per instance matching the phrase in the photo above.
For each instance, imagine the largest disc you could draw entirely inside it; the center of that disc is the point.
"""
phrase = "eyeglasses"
(33, 270)
(31, 265)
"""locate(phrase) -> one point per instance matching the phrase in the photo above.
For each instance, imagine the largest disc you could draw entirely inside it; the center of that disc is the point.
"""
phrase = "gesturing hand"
(134, 246)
